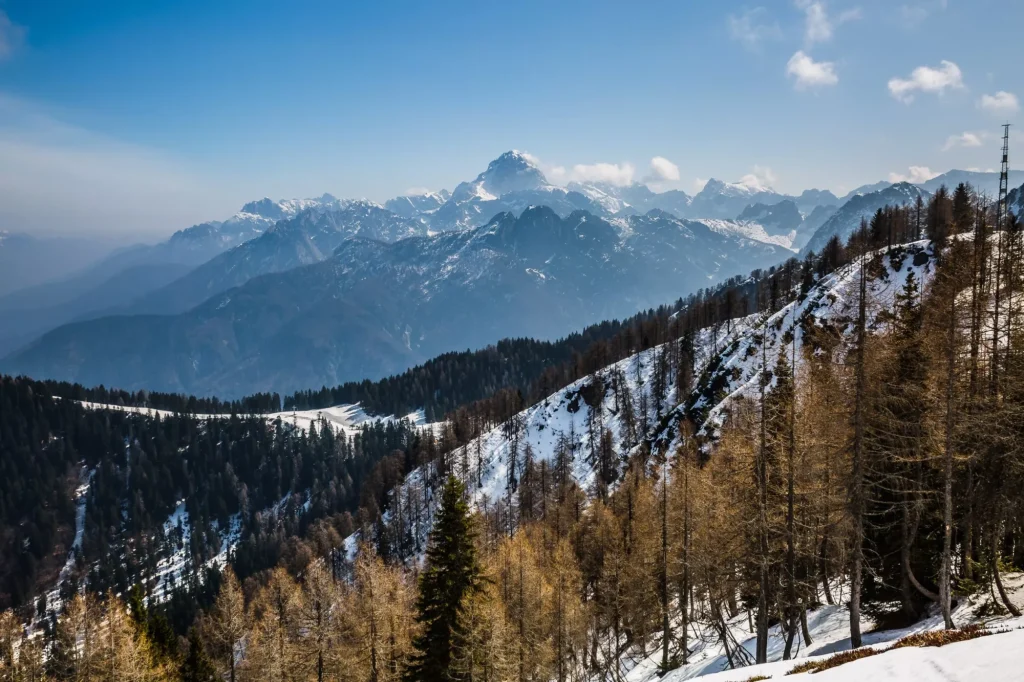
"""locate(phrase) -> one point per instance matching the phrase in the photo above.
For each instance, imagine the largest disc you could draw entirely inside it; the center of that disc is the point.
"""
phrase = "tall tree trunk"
(665, 628)
(762, 494)
(823, 568)
(947, 470)
(857, 464)
(994, 559)
(792, 609)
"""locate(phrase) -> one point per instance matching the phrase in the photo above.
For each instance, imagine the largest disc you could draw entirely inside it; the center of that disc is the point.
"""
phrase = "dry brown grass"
(920, 639)
(941, 637)
(833, 661)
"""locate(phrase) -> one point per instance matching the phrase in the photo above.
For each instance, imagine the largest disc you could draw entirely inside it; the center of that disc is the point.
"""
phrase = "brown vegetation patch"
(941, 637)
(833, 661)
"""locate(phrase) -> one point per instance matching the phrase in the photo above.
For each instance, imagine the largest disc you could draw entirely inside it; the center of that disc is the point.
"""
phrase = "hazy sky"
(145, 117)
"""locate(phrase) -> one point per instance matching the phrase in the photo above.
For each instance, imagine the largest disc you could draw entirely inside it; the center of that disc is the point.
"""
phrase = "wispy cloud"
(663, 170)
(916, 175)
(927, 79)
(753, 27)
(965, 139)
(12, 36)
(819, 27)
(619, 174)
(761, 179)
(1001, 103)
(808, 73)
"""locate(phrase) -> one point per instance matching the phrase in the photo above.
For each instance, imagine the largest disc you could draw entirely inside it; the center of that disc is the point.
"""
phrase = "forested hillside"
(788, 465)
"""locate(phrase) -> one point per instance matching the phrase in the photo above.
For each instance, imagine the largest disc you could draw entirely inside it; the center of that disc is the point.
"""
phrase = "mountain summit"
(513, 171)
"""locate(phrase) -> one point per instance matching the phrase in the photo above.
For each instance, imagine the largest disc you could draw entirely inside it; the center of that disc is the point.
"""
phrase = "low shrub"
(941, 637)
(833, 661)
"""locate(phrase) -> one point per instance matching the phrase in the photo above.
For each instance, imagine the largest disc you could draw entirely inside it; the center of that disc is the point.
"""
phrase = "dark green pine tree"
(196, 666)
(452, 574)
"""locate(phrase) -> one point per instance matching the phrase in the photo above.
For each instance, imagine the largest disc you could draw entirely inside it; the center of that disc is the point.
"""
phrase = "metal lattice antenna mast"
(1004, 179)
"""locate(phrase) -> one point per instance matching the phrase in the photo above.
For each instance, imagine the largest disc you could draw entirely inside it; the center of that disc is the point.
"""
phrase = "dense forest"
(223, 472)
(885, 461)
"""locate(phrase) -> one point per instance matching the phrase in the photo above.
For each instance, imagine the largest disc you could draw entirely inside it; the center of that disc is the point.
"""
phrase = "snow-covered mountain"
(514, 181)
(374, 308)
(638, 410)
(986, 182)
(411, 205)
(511, 183)
(721, 199)
(782, 218)
(847, 219)
(127, 274)
(810, 199)
(1015, 202)
(870, 188)
(310, 235)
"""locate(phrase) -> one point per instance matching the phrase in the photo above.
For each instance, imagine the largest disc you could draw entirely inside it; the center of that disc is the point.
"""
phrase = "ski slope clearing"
(347, 419)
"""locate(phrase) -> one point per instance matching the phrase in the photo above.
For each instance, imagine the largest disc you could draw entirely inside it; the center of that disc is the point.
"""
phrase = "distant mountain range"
(184, 314)
(847, 218)
(28, 261)
(123, 275)
(374, 308)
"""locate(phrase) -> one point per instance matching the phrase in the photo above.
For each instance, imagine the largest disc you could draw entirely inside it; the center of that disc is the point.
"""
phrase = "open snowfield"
(995, 657)
(346, 419)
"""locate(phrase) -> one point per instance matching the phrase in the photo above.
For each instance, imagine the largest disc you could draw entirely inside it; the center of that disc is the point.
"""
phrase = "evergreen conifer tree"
(196, 666)
(452, 575)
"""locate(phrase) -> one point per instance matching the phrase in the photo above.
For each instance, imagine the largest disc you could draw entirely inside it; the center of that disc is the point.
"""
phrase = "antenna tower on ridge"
(1004, 179)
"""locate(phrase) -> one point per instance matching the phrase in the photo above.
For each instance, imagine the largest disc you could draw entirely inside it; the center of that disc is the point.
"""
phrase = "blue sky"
(144, 117)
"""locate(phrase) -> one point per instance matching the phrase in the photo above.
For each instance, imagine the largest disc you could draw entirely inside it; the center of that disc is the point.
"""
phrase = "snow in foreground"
(995, 658)
(829, 628)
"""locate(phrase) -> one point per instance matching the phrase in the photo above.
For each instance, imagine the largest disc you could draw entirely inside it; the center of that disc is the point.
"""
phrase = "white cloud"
(619, 174)
(1000, 103)
(762, 178)
(752, 28)
(809, 73)
(417, 191)
(531, 158)
(965, 139)
(698, 185)
(664, 170)
(917, 175)
(927, 79)
(818, 26)
(11, 36)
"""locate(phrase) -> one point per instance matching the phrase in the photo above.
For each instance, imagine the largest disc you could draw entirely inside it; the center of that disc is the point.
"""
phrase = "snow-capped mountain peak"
(513, 171)
(285, 208)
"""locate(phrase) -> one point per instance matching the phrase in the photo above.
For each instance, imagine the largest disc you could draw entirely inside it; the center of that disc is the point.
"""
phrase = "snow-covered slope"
(847, 219)
(635, 406)
(749, 229)
(976, 659)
